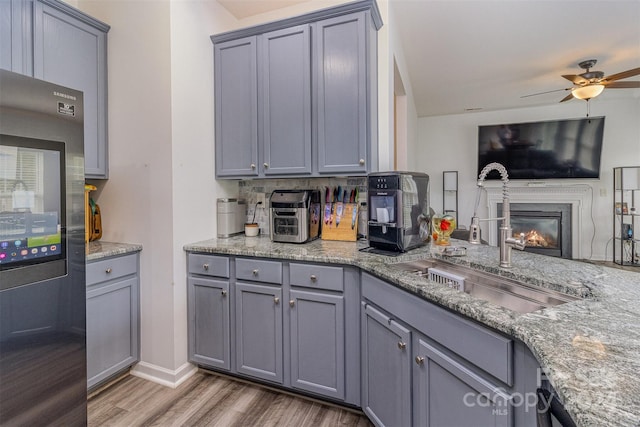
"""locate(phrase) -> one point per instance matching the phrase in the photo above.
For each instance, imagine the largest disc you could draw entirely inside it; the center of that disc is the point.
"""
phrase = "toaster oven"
(294, 215)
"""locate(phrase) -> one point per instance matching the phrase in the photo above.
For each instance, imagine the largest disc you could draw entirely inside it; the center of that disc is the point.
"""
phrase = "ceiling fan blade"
(623, 75)
(542, 93)
(622, 85)
(579, 80)
(567, 98)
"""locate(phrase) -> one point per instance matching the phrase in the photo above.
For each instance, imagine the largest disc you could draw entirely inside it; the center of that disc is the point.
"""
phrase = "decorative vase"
(443, 226)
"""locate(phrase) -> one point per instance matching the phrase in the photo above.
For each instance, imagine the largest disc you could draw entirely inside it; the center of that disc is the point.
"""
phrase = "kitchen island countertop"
(590, 348)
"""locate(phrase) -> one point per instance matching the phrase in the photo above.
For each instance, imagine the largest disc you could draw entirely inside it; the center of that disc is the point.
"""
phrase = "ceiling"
(465, 55)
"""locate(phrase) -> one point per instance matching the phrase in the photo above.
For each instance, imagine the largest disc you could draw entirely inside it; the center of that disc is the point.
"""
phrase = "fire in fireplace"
(546, 226)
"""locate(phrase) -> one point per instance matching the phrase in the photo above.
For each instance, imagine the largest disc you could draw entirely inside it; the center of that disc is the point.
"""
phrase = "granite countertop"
(99, 249)
(590, 348)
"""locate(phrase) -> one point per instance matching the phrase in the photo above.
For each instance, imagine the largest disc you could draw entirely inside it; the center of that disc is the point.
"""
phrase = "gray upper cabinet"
(236, 106)
(285, 88)
(341, 102)
(16, 36)
(309, 106)
(52, 41)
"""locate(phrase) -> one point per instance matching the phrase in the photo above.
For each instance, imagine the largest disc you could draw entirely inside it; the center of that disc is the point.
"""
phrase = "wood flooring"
(208, 399)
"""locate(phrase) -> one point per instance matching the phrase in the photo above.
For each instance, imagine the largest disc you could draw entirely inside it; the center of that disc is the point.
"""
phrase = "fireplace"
(546, 227)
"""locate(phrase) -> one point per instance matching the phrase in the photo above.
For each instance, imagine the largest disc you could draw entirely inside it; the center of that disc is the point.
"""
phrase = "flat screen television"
(554, 149)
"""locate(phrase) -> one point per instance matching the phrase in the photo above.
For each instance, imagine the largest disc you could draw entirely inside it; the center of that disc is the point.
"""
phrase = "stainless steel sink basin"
(516, 296)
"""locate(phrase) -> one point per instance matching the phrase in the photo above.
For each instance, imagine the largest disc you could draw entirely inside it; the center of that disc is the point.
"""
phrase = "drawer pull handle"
(292, 303)
(313, 278)
(361, 162)
(402, 345)
(276, 300)
(253, 165)
(206, 267)
(108, 270)
(255, 272)
(419, 360)
(266, 165)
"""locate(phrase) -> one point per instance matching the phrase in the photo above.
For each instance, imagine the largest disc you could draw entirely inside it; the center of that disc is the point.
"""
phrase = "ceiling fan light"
(588, 91)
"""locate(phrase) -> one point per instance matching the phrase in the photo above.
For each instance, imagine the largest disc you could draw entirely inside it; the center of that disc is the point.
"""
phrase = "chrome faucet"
(507, 241)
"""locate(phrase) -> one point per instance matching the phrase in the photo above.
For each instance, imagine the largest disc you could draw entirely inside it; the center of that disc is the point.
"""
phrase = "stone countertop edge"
(99, 249)
(589, 348)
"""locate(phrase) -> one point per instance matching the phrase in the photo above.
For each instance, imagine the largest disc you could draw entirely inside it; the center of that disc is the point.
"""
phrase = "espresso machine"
(398, 205)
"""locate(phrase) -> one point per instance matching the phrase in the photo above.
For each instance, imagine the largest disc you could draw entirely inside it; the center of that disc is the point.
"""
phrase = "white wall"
(161, 191)
(450, 143)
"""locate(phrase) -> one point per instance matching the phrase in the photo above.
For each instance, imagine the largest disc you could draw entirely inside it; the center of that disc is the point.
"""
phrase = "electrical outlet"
(260, 198)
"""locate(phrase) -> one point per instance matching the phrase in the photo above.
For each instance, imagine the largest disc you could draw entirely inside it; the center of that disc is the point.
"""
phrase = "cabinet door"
(259, 331)
(112, 329)
(341, 70)
(448, 393)
(386, 369)
(285, 105)
(209, 322)
(317, 343)
(16, 44)
(72, 53)
(236, 107)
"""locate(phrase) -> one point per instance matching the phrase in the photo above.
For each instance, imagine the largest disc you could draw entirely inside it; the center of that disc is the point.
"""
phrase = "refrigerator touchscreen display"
(32, 199)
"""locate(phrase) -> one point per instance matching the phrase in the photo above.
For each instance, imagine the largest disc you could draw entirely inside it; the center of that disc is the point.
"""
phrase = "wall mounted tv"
(543, 150)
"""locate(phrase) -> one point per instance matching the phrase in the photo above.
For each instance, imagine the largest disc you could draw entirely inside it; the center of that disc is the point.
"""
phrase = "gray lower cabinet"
(292, 324)
(210, 310)
(386, 369)
(439, 369)
(259, 349)
(317, 343)
(113, 332)
(448, 393)
(52, 41)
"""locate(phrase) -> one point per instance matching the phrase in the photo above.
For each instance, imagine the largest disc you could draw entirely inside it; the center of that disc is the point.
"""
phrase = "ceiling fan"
(591, 83)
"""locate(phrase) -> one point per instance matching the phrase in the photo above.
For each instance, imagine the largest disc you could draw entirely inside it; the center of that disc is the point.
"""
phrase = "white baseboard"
(164, 376)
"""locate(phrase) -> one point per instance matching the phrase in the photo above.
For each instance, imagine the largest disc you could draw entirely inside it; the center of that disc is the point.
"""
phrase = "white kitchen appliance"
(231, 216)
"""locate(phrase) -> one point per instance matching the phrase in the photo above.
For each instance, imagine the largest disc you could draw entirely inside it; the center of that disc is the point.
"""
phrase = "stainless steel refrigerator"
(42, 254)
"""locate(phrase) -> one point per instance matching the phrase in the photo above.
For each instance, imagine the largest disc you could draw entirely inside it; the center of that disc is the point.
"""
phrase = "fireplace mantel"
(578, 195)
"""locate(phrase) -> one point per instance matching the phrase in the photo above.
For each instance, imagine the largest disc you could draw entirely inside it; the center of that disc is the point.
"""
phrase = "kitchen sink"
(516, 296)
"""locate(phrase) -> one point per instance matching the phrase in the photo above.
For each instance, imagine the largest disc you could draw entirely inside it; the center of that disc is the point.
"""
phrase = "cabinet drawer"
(259, 270)
(317, 276)
(111, 268)
(208, 265)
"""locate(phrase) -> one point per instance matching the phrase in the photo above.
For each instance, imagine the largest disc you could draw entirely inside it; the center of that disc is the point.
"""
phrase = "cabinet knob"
(419, 360)
(266, 165)
(292, 303)
(402, 345)
(253, 165)
(205, 267)
(313, 278)
(108, 270)
(255, 272)
(276, 300)
(361, 162)
(224, 293)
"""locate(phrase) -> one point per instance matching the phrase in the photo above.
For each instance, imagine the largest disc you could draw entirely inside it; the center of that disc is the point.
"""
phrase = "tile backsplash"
(249, 190)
